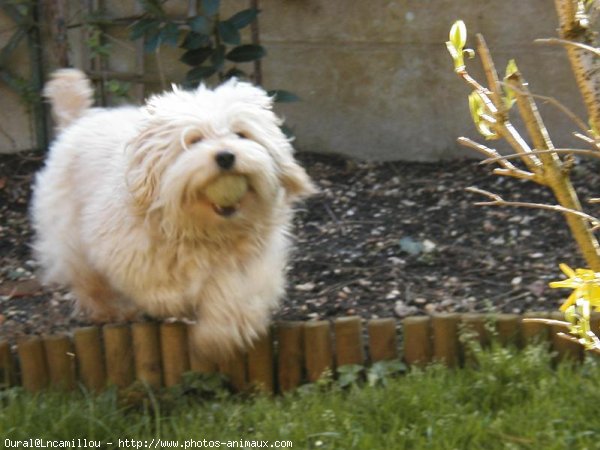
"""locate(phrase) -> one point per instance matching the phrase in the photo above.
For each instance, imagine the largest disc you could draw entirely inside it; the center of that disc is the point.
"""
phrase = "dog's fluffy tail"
(70, 94)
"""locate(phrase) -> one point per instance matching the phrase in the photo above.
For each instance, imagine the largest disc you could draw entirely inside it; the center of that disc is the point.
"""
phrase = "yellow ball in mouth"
(227, 190)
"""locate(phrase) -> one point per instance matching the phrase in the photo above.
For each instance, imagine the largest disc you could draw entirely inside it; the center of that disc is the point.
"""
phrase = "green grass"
(513, 400)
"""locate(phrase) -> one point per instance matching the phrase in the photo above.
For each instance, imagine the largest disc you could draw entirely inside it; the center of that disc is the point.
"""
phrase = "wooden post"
(146, 353)
(119, 355)
(34, 44)
(34, 373)
(174, 351)
(535, 332)
(383, 344)
(139, 59)
(198, 362)
(261, 371)
(290, 356)
(445, 339)
(564, 348)
(348, 341)
(56, 14)
(8, 376)
(90, 358)
(97, 62)
(417, 340)
(474, 325)
(509, 330)
(317, 348)
(257, 75)
(234, 368)
(60, 358)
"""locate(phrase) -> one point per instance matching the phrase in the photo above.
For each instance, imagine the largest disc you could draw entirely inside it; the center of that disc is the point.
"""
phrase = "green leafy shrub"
(211, 45)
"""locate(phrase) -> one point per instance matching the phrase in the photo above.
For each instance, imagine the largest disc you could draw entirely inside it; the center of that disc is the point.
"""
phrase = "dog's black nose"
(225, 159)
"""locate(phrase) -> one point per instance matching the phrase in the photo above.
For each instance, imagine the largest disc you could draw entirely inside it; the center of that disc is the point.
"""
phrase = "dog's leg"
(219, 341)
(220, 332)
(95, 296)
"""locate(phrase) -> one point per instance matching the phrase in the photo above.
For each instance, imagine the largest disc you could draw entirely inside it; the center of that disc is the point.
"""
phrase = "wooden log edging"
(290, 357)
(8, 370)
(417, 340)
(290, 354)
(118, 348)
(60, 361)
(174, 352)
(445, 339)
(90, 358)
(34, 372)
(146, 353)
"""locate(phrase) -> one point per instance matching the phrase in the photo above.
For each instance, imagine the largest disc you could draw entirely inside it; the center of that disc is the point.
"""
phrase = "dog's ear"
(295, 180)
(147, 158)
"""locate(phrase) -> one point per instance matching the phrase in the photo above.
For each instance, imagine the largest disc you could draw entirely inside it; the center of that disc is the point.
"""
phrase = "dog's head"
(192, 139)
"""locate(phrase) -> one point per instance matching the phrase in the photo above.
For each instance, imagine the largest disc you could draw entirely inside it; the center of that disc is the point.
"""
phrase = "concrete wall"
(377, 81)
(375, 78)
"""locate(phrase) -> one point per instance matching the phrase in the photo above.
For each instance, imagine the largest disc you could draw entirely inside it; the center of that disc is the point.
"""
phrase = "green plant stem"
(504, 127)
(553, 175)
(585, 64)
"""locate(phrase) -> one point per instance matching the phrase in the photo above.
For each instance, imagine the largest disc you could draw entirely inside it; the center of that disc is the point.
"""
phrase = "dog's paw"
(220, 343)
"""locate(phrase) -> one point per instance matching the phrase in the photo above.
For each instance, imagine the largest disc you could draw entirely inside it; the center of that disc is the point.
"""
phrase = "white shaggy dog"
(122, 215)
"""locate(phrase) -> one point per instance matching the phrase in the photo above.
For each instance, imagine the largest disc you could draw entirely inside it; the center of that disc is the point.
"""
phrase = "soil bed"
(380, 240)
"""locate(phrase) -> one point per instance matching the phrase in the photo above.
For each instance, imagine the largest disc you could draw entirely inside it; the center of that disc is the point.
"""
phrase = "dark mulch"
(381, 240)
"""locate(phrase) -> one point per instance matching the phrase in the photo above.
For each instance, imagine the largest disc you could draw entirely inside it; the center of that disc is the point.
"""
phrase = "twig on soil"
(330, 213)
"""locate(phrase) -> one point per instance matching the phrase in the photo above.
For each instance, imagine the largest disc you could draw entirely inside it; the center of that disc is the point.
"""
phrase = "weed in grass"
(194, 388)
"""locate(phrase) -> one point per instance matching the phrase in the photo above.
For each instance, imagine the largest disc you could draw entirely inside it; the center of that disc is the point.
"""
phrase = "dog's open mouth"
(225, 193)
(225, 211)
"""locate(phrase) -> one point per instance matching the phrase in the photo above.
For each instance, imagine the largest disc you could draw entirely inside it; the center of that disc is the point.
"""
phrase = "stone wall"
(374, 77)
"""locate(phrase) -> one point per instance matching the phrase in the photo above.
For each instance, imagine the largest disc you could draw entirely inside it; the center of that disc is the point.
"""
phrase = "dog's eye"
(194, 140)
(242, 135)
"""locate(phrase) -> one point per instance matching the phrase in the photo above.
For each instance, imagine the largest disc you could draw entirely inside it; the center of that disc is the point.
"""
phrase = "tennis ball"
(227, 190)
